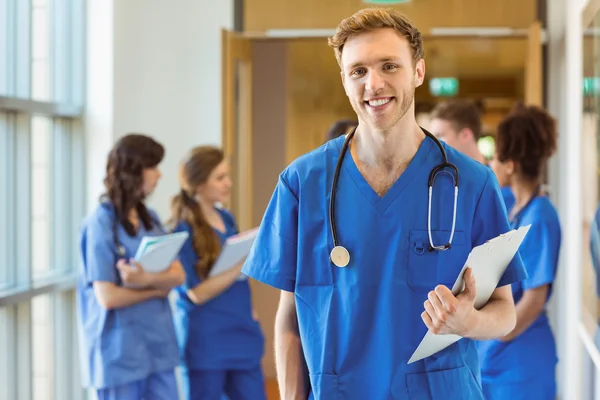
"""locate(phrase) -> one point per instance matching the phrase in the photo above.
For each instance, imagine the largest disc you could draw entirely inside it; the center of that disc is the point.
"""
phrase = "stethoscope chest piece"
(339, 256)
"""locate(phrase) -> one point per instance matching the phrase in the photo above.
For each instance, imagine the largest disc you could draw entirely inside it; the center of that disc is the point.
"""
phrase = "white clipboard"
(156, 253)
(488, 263)
(234, 250)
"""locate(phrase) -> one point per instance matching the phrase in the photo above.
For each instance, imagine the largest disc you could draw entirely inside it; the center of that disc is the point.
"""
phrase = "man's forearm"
(496, 319)
(292, 374)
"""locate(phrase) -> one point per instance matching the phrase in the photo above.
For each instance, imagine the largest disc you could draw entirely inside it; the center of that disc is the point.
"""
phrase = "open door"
(237, 122)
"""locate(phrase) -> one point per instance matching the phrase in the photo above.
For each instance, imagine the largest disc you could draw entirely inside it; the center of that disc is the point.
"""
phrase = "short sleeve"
(272, 259)
(100, 257)
(188, 258)
(490, 221)
(540, 254)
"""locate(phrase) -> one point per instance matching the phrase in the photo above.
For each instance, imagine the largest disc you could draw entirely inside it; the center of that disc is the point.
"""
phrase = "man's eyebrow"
(382, 59)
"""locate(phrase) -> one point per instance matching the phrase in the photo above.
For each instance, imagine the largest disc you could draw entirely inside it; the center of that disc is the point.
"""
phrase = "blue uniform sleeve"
(540, 254)
(100, 256)
(188, 258)
(595, 247)
(273, 257)
(490, 221)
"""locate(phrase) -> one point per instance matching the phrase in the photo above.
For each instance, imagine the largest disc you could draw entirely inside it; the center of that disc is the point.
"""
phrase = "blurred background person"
(219, 335)
(458, 123)
(522, 364)
(128, 343)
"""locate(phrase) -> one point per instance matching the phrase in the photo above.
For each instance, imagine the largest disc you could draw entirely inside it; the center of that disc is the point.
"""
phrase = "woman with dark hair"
(522, 364)
(220, 339)
(128, 343)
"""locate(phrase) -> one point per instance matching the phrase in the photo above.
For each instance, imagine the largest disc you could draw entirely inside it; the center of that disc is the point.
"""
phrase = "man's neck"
(475, 154)
(390, 150)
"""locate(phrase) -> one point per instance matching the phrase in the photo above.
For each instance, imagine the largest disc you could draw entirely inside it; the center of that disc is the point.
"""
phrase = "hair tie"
(186, 196)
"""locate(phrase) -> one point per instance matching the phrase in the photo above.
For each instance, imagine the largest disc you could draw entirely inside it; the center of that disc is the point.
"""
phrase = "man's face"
(379, 77)
(444, 130)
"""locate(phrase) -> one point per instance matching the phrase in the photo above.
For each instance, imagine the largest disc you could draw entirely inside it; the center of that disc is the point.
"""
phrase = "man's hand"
(133, 275)
(446, 314)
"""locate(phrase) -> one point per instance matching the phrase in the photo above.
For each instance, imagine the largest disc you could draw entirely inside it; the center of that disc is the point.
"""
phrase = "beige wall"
(269, 140)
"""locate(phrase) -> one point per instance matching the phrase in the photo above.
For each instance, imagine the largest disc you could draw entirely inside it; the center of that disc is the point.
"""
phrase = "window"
(42, 196)
(42, 340)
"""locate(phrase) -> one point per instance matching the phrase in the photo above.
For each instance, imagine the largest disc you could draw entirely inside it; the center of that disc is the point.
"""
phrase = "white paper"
(235, 249)
(156, 253)
(488, 263)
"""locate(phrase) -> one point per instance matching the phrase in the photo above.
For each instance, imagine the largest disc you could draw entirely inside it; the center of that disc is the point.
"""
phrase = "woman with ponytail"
(522, 364)
(220, 340)
(128, 342)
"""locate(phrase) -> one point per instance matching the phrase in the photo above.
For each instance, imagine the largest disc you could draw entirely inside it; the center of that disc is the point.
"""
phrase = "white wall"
(162, 77)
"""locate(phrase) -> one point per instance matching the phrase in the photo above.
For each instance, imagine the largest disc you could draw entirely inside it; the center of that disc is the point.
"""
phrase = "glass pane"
(41, 206)
(591, 185)
(6, 228)
(4, 47)
(42, 337)
(40, 60)
(5, 349)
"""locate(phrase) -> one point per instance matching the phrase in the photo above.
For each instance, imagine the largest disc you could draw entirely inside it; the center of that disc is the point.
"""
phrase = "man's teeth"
(379, 102)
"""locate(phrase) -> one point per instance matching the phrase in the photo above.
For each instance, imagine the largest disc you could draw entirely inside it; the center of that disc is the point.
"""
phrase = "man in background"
(458, 123)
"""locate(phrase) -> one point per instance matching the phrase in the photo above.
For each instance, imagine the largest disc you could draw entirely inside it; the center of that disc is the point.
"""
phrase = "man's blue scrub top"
(359, 325)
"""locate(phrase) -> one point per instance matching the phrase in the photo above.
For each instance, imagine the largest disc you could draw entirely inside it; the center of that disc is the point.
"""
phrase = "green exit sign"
(443, 87)
(386, 1)
(591, 85)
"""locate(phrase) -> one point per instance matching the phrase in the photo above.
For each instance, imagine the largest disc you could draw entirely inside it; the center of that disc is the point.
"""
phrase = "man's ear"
(466, 134)
(419, 72)
(510, 167)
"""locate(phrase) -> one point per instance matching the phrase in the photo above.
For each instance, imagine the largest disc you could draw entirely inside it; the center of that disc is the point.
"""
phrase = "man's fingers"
(428, 321)
(436, 303)
(446, 297)
(470, 284)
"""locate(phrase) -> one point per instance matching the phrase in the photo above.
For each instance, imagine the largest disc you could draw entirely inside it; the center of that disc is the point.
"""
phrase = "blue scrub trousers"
(158, 386)
(236, 384)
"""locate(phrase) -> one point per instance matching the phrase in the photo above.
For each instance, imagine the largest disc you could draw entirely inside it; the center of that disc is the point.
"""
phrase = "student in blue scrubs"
(349, 332)
(521, 365)
(128, 343)
(219, 336)
(458, 123)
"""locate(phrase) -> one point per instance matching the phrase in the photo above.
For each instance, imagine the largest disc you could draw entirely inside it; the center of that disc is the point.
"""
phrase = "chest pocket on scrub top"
(426, 269)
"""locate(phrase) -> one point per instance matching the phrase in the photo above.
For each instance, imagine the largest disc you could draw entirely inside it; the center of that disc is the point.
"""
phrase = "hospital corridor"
(272, 199)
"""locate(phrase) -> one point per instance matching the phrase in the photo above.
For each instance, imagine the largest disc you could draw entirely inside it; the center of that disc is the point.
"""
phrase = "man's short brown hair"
(461, 114)
(370, 19)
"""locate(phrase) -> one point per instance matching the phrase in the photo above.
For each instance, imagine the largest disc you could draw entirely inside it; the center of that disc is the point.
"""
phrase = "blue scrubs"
(359, 325)
(129, 350)
(221, 343)
(524, 368)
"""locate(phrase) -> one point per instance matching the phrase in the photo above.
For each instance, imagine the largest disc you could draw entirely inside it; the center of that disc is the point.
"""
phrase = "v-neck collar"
(382, 203)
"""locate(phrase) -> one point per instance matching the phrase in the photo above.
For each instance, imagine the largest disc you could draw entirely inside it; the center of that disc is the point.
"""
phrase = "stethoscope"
(340, 256)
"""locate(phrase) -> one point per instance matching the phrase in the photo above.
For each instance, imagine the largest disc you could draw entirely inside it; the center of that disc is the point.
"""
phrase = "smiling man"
(364, 262)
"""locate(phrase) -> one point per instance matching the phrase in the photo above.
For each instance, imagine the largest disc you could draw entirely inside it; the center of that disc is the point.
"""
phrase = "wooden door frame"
(236, 114)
